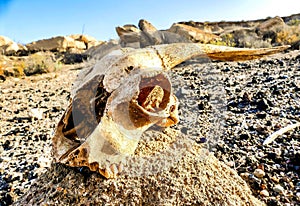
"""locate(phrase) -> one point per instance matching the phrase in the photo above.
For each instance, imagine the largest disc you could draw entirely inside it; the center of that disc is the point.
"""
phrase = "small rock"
(259, 173)
(247, 97)
(272, 155)
(278, 188)
(230, 163)
(3, 185)
(283, 77)
(272, 202)
(264, 193)
(277, 151)
(254, 182)
(245, 136)
(261, 166)
(36, 113)
(226, 69)
(6, 145)
(184, 130)
(262, 115)
(263, 186)
(281, 63)
(275, 179)
(184, 91)
(262, 104)
(6, 199)
(202, 140)
(245, 175)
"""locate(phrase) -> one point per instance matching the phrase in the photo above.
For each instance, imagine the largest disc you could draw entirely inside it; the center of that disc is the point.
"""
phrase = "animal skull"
(124, 94)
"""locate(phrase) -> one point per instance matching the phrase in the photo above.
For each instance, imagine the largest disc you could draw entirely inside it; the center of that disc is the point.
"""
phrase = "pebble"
(245, 175)
(262, 104)
(25, 141)
(275, 179)
(263, 186)
(259, 173)
(230, 163)
(3, 184)
(278, 188)
(272, 202)
(277, 151)
(257, 109)
(264, 193)
(202, 140)
(36, 113)
(184, 91)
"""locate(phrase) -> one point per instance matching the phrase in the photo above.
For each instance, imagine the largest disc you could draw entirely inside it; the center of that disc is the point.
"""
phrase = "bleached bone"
(124, 94)
(276, 134)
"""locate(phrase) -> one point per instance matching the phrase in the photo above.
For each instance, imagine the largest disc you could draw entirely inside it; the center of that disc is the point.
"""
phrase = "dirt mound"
(198, 178)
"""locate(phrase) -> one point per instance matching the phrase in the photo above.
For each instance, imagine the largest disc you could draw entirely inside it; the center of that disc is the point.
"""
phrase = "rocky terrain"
(259, 97)
(75, 48)
(262, 96)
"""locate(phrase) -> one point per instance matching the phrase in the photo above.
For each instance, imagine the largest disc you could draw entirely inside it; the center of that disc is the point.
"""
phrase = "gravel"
(30, 109)
(256, 98)
(263, 96)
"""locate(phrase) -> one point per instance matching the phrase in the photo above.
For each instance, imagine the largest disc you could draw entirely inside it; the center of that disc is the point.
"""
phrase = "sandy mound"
(197, 178)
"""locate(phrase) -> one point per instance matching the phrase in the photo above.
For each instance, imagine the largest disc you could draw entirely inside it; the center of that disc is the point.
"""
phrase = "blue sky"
(29, 20)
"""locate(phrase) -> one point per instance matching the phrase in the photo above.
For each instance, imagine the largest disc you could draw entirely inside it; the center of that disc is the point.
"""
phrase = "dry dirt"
(189, 174)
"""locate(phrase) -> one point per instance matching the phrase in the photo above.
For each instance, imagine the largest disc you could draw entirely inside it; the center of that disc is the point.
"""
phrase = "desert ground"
(214, 156)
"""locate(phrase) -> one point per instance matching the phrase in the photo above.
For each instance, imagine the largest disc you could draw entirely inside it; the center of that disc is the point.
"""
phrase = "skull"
(121, 96)
(100, 127)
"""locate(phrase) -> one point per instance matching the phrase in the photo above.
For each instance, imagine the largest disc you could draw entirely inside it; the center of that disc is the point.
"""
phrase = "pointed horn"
(174, 54)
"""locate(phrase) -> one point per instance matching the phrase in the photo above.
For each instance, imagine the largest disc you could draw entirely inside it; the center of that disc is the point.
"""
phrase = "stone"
(262, 104)
(278, 188)
(82, 37)
(97, 52)
(58, 43)
(275, 179)
(128, 28)
(271, 24)
(88, 41)
(80, 45)
(36, 113)
(22, 47)
(146, 26)
(147, 35)
(11, 49)
(151, 34)
(259, 173)
(7, 46)
(193, 33)
(264, 193)
(131, 39)
(130, 36)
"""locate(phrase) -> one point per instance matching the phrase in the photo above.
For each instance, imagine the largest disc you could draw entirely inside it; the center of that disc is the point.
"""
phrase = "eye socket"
(156, 85)
(150, 98)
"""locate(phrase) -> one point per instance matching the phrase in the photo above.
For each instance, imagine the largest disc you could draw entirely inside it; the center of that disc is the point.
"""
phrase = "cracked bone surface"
(121, 96)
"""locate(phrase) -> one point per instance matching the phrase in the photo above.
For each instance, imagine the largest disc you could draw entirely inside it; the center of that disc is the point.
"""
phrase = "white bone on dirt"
(124, 94)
